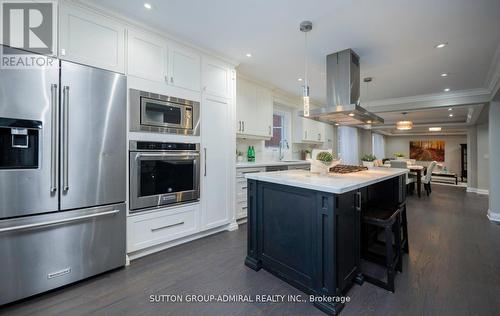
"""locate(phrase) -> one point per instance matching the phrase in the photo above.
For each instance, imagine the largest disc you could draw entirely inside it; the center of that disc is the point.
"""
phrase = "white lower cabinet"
(156, 227)
(216, 161)
(241, 190)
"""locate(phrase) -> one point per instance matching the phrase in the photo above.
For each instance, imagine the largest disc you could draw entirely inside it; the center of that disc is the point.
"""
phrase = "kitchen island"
(305, 228)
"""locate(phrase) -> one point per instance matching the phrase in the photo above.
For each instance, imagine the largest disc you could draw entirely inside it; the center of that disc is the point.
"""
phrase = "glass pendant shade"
(306, 101)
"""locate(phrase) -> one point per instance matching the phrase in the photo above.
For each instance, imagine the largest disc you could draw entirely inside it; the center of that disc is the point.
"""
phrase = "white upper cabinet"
(216, 78)
(254, 110)
(147, 56)
(91, 39)
(308, 131)
(185, 68)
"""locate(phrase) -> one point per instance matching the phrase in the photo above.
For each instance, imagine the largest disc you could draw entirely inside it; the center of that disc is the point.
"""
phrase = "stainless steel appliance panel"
(43, 252)
(93, 136)
(31, 95)
(158, 120)
(166, 186)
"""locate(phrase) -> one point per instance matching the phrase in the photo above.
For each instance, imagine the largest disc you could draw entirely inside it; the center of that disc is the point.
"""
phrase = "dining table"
(418, 171)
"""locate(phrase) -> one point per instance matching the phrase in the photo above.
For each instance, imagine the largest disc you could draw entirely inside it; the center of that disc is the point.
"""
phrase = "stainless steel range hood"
(343, 83)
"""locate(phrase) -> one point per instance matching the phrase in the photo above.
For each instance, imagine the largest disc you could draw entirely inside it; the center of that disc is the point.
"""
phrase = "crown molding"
(128, 22)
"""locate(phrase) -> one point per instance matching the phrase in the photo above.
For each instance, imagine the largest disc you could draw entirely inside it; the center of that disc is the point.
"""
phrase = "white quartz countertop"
(271, 163)
(331, 182)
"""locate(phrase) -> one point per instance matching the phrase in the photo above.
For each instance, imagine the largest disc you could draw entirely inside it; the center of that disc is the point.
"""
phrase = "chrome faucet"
(281, 145)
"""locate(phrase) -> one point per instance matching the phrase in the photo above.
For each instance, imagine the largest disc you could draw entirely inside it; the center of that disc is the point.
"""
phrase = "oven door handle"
(165, 155)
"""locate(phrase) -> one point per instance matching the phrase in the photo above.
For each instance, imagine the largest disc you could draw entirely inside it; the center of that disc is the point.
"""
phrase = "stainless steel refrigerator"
(62, 176)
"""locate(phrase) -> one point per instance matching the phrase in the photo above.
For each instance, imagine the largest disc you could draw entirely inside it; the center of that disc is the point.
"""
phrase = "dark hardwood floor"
(453, 269)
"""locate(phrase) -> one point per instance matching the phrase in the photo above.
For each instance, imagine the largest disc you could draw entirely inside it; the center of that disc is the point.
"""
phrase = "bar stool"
(390, 221)
(404, 227)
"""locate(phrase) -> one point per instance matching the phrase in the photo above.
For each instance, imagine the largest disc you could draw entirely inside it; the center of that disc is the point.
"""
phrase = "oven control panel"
(165, 146)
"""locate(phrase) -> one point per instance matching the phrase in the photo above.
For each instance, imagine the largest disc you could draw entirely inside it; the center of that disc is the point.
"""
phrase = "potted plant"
(399, 155)
(323, 162)
(307, 154)
(368, 160)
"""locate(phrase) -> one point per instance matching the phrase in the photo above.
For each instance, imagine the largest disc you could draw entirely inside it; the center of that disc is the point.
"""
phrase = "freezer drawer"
(40, 253)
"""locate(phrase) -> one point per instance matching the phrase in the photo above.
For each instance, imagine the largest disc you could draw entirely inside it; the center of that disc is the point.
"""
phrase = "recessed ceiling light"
(446, 90)
(434, 129)
(369, 121)
(351, 114)
(248, 54)
(147, 6)
(337, 124)
(449, 109)
(300, 79)
(444, 74)
(441, 45)
(451, 115)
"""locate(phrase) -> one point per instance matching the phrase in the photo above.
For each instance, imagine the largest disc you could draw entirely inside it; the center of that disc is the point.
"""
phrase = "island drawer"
(153, 228)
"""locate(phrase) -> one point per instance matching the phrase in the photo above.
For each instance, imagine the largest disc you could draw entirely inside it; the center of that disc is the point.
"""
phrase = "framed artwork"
(427, 150)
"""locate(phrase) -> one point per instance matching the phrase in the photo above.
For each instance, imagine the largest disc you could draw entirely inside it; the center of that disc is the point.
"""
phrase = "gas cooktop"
(347, 169)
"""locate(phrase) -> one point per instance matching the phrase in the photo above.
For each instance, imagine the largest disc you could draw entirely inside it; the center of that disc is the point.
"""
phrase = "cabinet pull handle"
(205, 161)
(305, 133)
(239, 128)
(172, 79)
(66, 138)
(166, 226)
(166, 79)
(53, 152)
(319, 136)
(358, 195)
(243, 122)
(269, 130)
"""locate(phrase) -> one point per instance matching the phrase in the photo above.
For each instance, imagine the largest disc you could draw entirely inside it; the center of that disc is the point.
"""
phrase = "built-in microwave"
(152, 112)
(163, 174)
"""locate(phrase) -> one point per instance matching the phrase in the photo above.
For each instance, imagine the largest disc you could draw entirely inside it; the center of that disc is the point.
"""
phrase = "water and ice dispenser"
(19, 143)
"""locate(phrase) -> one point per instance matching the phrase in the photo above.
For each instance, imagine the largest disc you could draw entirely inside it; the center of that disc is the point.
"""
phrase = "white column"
(472, 159)
(494, 155)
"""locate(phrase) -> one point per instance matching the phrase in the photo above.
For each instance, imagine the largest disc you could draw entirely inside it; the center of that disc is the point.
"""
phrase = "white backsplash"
(271, 154)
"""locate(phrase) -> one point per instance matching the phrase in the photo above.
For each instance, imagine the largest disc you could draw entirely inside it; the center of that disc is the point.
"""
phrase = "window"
(378, 146)
(348, 145)
(278, 130)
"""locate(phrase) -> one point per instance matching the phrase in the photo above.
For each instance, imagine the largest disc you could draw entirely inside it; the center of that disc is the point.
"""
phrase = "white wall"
(494, 141)
(451, 152)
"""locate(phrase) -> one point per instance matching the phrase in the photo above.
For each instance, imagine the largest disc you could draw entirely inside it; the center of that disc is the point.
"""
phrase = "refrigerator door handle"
(54, 132)
(59, 221)
(65, 134)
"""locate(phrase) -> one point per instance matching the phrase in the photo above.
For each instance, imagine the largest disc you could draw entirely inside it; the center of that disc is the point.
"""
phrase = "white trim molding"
(494, 216)
(478, 191)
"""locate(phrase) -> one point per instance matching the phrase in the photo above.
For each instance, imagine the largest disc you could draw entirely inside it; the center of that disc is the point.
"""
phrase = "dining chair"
(426, 180)
(402, 164)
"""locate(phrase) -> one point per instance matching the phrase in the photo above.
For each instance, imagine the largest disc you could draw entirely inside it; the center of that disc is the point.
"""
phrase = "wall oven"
(163, 174)
(151, 112)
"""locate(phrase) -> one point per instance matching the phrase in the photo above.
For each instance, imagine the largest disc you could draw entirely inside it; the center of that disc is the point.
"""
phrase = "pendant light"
(404, 124)
(305, 27)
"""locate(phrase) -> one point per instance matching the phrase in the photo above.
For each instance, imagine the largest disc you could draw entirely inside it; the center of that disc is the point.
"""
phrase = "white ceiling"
(463, 117)
(395, 39)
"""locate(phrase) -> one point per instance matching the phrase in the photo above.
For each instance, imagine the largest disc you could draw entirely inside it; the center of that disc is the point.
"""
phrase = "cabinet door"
(185, 68)
(147, 56)
(246, 97)
(347, 230)
(216, 78)
(91, 39)
(215, 160)
(264, 117)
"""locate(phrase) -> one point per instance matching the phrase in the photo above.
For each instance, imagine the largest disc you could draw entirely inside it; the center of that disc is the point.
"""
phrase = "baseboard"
(232, 226)
(494, 216)
(478, 191)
